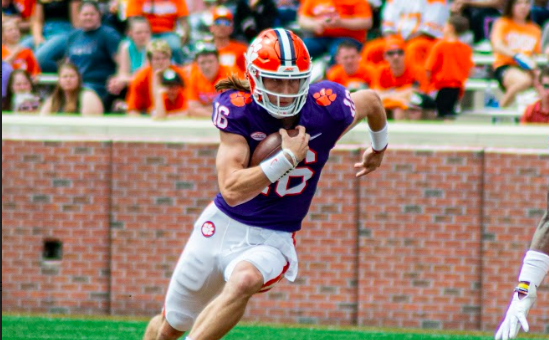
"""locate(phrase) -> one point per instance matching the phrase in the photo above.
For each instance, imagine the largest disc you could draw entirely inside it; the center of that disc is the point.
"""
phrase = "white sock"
(188, 338)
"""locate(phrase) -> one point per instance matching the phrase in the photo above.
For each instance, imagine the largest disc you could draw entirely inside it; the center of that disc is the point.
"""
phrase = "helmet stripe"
(286, 48)
(292, 47)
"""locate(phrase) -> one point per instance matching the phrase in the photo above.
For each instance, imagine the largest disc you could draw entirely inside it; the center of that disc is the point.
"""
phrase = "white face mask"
(275, 108)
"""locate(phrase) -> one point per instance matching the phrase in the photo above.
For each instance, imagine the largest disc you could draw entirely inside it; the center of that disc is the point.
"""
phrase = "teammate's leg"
(224, 312)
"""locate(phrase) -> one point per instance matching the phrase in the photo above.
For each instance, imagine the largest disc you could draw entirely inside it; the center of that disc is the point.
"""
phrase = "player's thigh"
(269, 261)
(197, 277)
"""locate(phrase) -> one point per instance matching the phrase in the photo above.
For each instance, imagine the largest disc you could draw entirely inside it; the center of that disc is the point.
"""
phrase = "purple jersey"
(327, 113)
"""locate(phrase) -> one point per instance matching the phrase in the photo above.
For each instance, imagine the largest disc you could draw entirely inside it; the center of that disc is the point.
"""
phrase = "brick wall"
(434, 239)
(55, 191)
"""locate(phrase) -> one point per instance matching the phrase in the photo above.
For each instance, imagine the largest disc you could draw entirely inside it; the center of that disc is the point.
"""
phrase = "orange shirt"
(449, 63)
(140, 97)
(534, 114)
(179, 104)
(162, 14)
(384, 80)
(201, 89)
(362, 78)
(346, 8)
(524, 39)
(24, 60)
(232, 55)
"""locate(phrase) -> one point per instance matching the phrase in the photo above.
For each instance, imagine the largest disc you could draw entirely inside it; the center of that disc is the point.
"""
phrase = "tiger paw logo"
(253, 50)
(241, 99)
(325, 97)
(208, 229)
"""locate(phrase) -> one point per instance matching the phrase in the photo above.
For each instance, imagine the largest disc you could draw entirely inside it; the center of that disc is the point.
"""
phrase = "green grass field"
(33, 327)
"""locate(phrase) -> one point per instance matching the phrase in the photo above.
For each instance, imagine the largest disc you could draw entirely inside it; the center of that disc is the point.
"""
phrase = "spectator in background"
(252, 17)
(92, 49)
(20, 94)
(139, 98)
(538, 112)
(164, 16)
(20, 57)
(69, 96)
(6, 72)
(204, 74)
(169, 95)
(400, 85)
(349, 71)
(331, 22)
(132, 54)
(448, 66)
(481, 16)
(418, 22)
(231, 52)
(51, 23)
(200, 22)
(515, 38)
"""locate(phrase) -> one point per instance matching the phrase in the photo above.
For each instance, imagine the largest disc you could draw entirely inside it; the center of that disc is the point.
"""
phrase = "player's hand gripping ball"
(268, 147)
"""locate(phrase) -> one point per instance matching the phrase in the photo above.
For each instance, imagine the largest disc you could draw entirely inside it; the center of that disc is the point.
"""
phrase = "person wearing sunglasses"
(400, 85)
(231, 52)
(538, 112)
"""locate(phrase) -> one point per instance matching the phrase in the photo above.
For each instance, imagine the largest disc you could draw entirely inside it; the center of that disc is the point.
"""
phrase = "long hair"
(58, 95)
(232, 83)
(508, 10)
(7, 102)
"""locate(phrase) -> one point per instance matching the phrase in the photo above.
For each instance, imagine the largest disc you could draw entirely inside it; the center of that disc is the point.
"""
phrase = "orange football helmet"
(278, 53)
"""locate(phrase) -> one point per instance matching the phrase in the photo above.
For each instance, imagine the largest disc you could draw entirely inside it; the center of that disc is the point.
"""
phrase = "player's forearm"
(374, 111)
(243, 185)
(540, 241)
(536, 262)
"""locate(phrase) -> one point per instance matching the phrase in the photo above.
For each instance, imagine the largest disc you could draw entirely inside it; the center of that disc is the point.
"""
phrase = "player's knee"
(246, 280)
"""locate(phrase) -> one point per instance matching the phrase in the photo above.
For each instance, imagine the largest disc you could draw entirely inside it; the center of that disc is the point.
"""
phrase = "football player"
(243, 243)
(534, 268)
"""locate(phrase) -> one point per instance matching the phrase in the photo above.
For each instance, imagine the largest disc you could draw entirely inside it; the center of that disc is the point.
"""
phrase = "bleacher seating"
(474, 99)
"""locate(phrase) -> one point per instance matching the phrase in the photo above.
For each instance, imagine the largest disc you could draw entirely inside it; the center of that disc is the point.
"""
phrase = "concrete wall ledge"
(125, 129)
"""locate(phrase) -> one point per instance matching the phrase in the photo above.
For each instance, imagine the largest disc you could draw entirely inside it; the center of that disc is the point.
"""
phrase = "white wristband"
(534, 267)
(276, 167)
(292, 156)
(379, 138)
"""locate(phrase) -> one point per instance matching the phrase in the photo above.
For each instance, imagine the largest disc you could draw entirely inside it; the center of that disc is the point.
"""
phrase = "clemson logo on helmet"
(253, 51)
(208, 229)
(325, 97)
(240, 99)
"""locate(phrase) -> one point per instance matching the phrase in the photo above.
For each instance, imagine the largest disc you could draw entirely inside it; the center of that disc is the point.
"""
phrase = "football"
(269, 147)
